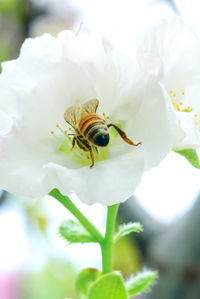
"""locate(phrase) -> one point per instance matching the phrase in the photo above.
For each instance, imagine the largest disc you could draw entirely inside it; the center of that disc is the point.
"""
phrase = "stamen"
(69, 129)
(57, 126)
(196, 115)
(182, 93)
(65, 131)
(178, 108)
(52, 132)
(171, 91)
(181, 103)
(61, 130)
(103, 113)
(108, 117)
(174, 94)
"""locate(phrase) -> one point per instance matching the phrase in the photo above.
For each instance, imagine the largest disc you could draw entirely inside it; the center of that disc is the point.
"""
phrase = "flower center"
(178, 101)
(64, 139)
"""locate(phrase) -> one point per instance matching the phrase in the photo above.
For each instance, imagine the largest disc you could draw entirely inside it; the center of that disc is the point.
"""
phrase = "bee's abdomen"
(83, 143)
(94, 129)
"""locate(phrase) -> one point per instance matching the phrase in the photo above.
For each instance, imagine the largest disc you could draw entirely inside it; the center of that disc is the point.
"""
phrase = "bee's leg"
(95, 148)
(73, 143)
(92, 157)
(123, 135)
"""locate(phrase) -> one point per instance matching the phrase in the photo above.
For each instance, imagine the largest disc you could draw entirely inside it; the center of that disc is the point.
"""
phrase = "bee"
(91, 131)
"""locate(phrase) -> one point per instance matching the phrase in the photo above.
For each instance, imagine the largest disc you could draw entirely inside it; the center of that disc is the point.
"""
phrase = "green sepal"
(127, 229)
(141, 282)
(73, 232)
(85, 278)
(191, 155)
(109, 286)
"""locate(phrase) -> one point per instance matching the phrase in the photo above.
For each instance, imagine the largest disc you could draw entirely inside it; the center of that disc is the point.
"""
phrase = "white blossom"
(171, 51)
(53, 74)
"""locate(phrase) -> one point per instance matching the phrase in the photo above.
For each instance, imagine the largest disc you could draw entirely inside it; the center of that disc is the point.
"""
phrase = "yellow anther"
(103, 113)
(196, 115)
(69, 129)
(69, 138)
(196, 123)
(181, 103)
(108, 117)
(65, 131)
(178, 108)
(171, 91)
(189, 108)
(51, 132)
(173, 103)
(174, 94)
(57, 126)
(182, 93)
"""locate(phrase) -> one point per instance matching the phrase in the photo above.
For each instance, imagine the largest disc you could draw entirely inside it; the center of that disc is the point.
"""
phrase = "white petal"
(108, 182)
(5, 122)
(8, 66)
(51, 87)
(167, 44)
(155, 124)
(22, 163)
(192, 134)
(43, 45)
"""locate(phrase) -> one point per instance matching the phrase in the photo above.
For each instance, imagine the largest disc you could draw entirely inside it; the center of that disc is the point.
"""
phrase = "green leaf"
(73, 232)
(109, 286)
(141, 282)
(128, 228)
(85, 278)
(191, 155)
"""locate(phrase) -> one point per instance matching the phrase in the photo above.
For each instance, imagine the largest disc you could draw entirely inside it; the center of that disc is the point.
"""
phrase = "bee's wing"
(72, 116)
(90, 106)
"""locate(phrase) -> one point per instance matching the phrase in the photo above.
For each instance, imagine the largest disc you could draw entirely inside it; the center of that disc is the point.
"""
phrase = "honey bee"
(91, 131)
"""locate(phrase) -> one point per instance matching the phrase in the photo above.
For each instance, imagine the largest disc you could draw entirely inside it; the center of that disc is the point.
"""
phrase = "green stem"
(107, 245)
(66, 202)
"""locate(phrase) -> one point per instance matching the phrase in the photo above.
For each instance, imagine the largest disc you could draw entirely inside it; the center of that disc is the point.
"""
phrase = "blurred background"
(34, 261)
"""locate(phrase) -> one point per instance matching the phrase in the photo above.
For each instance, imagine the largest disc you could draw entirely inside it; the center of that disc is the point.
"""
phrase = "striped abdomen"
(94, 129)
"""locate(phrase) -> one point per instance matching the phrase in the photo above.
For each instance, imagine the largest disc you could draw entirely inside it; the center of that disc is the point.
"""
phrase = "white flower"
(50, 76)
(171, 51)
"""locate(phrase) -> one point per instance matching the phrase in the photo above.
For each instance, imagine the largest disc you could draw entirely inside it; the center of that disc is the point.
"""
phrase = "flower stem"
(66, 202)
(105, 243)
(108, 242)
